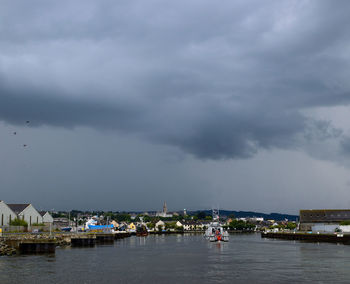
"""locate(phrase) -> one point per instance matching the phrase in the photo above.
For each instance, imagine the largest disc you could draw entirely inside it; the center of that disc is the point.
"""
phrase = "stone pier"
(311, 237)
(102, 238)
(83, 241)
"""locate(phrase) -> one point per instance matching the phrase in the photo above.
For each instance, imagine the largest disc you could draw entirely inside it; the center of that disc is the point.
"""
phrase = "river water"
(247, 258)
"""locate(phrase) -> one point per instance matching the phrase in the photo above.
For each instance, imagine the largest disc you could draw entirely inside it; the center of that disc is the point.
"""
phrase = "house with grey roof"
(26, 212)
(6, 214)
(47, 218)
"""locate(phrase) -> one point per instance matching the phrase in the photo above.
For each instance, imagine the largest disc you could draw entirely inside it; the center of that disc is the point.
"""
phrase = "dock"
(104, 238)
(310, 237)
(27, 243)
(83, 240)
(31, 246)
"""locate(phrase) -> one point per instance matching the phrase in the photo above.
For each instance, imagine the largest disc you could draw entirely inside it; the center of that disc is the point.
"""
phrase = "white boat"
(215, 232)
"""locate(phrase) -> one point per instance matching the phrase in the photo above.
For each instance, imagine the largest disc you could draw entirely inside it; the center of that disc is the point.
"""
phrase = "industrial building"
(322, 219)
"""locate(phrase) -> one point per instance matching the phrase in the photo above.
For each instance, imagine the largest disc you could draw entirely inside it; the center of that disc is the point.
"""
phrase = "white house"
(26, 212)
(6, 214)
(160, 224)
(47, 218)
(192, 225)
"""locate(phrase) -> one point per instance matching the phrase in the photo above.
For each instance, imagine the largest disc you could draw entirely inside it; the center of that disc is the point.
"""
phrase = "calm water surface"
(185, 259)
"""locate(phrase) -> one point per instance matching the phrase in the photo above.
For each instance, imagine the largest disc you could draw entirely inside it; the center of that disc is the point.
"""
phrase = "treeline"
(126, 217)
(240, 225)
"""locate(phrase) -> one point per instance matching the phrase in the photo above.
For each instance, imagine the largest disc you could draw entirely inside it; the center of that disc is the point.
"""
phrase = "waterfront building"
(322, 219)
(190, 225)
(26, 212)
(6, 214)
(61, 222)
(115, 224)
(47, 218)
(160, 224)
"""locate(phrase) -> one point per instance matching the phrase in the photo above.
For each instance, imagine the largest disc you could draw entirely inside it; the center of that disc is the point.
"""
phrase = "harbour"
(26, 243)
(186, 258)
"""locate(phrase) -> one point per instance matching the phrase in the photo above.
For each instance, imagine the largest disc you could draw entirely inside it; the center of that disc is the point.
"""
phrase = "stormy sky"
(241, 105)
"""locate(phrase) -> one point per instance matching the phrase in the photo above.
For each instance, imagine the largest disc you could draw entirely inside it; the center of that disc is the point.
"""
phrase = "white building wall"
(159, 223)
(6, 214)
(30, 215)
(345, 228)
(47, 218)
(324, 227)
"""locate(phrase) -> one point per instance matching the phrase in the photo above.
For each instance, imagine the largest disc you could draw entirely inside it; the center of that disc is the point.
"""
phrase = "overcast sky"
(241, 105)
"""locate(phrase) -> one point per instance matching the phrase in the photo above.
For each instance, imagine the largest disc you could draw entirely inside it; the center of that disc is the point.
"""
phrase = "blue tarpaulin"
(97, 227)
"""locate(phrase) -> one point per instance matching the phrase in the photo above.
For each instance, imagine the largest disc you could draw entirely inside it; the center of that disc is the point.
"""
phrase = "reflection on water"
(186, 259)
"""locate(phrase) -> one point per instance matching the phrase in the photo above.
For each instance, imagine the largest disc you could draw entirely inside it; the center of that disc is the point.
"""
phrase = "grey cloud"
(217, 80)
(345, 146)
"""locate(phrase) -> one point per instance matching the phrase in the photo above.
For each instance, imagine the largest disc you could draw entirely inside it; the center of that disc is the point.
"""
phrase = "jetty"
(309, 237)
(24, 245)
(83, 240)
(28, 243)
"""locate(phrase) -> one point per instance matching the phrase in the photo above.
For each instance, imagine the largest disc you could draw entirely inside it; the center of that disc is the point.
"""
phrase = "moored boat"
(141, 231)
(215, 232)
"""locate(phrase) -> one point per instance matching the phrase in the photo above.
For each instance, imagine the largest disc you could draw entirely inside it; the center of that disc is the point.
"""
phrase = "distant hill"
(245, 214)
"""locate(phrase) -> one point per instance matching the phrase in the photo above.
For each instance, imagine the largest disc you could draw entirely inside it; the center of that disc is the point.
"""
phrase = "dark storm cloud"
(41, 109)
(218, 80)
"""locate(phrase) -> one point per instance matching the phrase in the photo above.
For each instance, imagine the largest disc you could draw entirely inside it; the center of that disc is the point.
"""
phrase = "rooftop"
(18, 208)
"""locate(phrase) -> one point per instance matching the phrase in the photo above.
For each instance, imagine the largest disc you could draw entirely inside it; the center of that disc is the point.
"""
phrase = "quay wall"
(311, 237)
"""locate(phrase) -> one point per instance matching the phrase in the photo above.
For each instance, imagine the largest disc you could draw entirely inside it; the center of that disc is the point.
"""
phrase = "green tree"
(18, 222)
(38, 224)
(147, 218)
(170, 225)
(291, 225)
(241, 225)
(201, 215)
(150, 225)
(123, 217)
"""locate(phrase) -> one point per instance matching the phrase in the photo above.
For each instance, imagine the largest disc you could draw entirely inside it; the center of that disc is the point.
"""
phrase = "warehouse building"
(6, 214)
(322, 219)
(26, 212)
(47, 218)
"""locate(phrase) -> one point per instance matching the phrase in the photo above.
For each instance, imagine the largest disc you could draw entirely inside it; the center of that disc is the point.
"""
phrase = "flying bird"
(27, 121)
(24, 145)
(14, 133)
